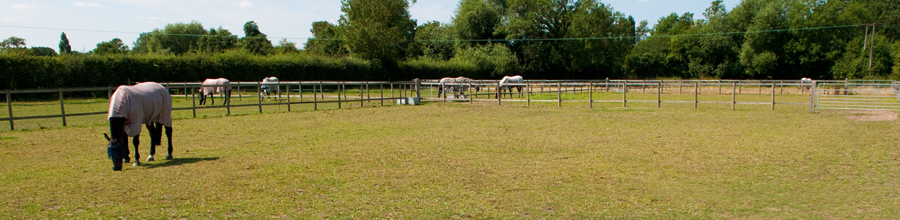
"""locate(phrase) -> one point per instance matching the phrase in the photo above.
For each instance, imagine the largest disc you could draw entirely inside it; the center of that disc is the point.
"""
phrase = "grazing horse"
(268, 89)
(224, 89)
(445, 85)
(504, 85)
(456, 86)
(805, 83)
(146, 103)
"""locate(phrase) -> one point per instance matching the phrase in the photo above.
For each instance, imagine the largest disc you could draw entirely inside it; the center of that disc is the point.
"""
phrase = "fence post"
(193, 102)
(607, 84)
(624, 95)
(443, 93)
(9, 107)
(591, 94)
(499, 93)
(315, 98)
(782, 87)
(381, 91)
(392, 90)
(185, 91)
(321, 90)
(773, 96)
(813, 89)
(239, 91)
(361, 101)
(741, 87)
(418, 85)
(733, 89)
(658, 94)
(344, 88)
(259, 102)
(760, 87)
(643, 86)
(340, 86)
(288, 87)
(527, 94)
(696, 90)
(558, 94)
(720, 87)
(62, 107)
(368, 94)
(680, 85)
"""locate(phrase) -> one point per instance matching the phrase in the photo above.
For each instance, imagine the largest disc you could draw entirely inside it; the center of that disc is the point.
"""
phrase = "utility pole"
(872, 48)
(866, 42)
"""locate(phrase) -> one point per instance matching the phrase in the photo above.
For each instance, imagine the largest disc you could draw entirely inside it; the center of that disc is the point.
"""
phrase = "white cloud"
(245, 4)
(23, 7)
(89, 5)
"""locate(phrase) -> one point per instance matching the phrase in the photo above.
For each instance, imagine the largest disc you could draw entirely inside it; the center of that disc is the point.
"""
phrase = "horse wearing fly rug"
(267, 88)
(213, 86)
(146, 103)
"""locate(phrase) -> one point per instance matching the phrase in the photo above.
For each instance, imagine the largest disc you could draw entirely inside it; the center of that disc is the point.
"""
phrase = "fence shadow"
(179, 161)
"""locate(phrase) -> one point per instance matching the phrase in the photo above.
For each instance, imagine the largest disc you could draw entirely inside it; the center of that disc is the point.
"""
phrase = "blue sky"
(88, 22)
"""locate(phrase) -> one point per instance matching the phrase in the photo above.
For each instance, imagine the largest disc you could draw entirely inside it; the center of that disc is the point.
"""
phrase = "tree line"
(558, 39)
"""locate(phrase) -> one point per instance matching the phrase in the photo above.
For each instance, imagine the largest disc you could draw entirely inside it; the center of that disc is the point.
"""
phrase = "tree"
(255, 41)
(114, 46)
(285, 47)
(217, 41)
(13, 42)
(178, 38)
(64, 47)
(43, 51)
(326, 39)
(477, 20)
(378, 30)
(436, 40)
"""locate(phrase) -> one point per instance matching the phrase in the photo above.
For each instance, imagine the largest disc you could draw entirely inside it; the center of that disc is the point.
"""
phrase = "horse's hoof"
(168, 157)
(150, 158)
(136, 164)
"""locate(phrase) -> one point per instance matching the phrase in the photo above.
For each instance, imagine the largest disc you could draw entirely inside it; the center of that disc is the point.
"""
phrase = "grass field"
(454, 160)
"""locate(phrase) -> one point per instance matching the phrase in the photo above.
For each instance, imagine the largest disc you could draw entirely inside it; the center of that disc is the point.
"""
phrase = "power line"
(475, 40)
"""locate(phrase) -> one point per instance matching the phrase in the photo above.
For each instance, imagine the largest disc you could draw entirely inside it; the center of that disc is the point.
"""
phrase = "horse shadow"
(179, 161)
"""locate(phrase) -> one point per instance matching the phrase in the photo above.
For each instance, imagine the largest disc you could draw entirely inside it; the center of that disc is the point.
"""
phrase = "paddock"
(458, 160)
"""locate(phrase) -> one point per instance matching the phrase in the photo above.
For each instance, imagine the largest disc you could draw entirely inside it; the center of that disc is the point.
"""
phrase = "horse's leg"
(155, 133)
(227, 98)
(169, 136)
(137, 155)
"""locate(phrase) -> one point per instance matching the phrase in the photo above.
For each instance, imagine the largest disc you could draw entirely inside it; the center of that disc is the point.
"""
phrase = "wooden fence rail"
(189, 88)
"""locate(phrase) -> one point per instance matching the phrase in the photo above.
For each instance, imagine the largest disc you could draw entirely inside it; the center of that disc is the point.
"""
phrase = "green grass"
(445, 161)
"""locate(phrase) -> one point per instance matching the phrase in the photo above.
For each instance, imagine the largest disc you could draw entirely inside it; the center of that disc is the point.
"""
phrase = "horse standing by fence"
(456, 86)
(505, 84)
(213, 86)
(268, 89)
(146, 103)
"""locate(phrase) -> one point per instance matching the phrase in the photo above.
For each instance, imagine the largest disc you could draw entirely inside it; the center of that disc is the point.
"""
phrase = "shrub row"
(28, 72)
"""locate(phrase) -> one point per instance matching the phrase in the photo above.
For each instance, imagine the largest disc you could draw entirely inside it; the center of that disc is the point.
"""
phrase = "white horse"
(213, 86)
(805, 83)
(505, 84)
(146, 103)
(268, 89)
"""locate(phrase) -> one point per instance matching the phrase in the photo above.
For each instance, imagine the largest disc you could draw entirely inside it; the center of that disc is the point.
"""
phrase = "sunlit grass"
(457, 160)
